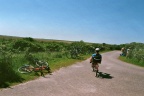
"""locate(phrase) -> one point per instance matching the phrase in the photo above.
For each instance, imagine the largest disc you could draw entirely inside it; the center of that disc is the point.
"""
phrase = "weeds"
(135, 55)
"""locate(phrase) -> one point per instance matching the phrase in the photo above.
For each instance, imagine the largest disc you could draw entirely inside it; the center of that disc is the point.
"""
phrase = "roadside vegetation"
(135, 55)
(13, 54)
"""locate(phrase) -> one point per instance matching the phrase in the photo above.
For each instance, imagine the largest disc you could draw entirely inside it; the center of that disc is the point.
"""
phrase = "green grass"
(55, 62)
(131, 61)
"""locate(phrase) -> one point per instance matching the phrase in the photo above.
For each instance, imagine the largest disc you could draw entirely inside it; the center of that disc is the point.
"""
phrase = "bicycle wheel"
(25, 69)
(46, 66)
(97, 73)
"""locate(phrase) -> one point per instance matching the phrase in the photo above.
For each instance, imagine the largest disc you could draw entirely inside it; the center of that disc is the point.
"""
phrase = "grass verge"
(131, 61)
(55, 64)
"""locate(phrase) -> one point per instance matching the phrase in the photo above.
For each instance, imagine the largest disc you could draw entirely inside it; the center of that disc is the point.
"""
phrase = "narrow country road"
(119, 79)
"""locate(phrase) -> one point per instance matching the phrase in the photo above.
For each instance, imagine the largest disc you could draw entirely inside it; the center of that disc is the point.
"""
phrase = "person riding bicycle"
(96, 59)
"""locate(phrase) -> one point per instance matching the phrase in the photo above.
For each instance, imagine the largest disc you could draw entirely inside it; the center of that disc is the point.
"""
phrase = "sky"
(96, 21)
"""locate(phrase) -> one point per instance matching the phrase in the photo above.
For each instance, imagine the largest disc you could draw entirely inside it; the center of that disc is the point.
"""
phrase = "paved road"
(119, 79)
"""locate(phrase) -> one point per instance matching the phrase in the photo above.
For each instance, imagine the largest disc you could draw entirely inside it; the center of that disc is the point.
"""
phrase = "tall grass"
(7, 72)
(10, 63)
(135, 55)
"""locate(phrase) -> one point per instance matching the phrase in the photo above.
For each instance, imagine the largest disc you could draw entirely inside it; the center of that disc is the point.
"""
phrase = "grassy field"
(131, 61)
(39, 39)
(55, 64)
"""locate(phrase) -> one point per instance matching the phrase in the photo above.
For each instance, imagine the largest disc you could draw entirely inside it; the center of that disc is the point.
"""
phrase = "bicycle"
(95, 70)
(97, 73)
(40, 66)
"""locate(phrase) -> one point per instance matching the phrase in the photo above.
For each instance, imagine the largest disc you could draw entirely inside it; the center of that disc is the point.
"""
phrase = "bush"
(136, 52)
(22, 45)
(55, 47)
(7, 74)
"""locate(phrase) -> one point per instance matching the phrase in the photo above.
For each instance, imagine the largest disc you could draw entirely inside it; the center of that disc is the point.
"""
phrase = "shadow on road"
(105, 75)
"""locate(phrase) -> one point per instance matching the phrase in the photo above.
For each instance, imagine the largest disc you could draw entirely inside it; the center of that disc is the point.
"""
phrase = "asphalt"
(117, 79)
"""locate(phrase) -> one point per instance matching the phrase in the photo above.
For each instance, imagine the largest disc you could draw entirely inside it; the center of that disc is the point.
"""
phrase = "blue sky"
(97, 21)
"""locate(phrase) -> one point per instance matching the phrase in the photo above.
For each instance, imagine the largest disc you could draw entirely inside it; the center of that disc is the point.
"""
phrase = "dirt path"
(120, 79)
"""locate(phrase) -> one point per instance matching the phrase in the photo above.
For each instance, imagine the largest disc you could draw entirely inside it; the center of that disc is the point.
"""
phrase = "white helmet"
(97, 49)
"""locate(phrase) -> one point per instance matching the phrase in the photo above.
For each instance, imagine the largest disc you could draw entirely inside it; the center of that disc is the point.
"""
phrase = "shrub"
(7, 73)
(136, 52)
(22, 45)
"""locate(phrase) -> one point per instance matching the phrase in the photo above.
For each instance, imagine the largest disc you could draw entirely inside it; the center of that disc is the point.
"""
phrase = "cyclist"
(96, 59)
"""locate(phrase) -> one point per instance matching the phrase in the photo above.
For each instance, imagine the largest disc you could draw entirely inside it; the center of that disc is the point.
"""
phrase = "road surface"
(119, 79)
